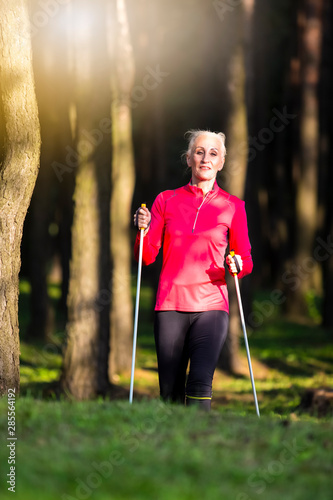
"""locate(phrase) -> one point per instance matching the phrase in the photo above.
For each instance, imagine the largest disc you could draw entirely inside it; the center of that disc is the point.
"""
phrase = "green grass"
(287, 359)
(110, 450)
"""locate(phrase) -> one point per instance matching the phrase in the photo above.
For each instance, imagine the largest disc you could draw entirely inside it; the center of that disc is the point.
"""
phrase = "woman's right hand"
(142, 218)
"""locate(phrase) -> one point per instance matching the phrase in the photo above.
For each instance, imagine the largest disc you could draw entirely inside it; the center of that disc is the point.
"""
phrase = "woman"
(194, 224)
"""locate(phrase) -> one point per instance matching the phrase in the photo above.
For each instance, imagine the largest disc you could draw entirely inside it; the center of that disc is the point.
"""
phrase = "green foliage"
(314, 304)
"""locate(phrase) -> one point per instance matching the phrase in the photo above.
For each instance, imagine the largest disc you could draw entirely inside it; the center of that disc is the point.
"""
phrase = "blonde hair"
(192, 135)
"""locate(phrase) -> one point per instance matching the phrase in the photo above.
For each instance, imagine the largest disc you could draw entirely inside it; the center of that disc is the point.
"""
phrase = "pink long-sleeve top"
(195, 230)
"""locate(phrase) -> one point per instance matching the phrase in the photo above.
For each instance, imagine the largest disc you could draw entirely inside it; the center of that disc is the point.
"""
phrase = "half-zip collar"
(199, 193)
(196, 217)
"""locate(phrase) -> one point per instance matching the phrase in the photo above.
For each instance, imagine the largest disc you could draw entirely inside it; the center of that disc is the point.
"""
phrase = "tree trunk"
(52, 197)
(306, 270)
(85, 360)
(40, 212)
(18, 168)
(326, 150)
(123, 178)
(257, 104)
(236, 163)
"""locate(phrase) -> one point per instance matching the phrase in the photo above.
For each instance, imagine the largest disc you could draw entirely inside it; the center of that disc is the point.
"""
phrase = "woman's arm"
(153, 238)
(239, 238)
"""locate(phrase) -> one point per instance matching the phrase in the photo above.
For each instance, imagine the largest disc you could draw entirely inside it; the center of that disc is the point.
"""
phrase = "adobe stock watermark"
(293, 278)
(277, 124)
(90, 139)
(224, 7)
(152, 79)
(263, 477)
(101, 471)
(86, 145)
(266, 135)
(44, 11)
(51, 349)
(104, 296)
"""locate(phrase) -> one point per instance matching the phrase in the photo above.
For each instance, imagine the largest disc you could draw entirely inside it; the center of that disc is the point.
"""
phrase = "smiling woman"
(205, 156)
(194, 223)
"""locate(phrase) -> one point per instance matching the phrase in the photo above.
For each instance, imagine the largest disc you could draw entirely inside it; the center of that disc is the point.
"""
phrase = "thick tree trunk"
(236, 163)
(306, 275)
(123, 178)
(18, 169)
(85, 361)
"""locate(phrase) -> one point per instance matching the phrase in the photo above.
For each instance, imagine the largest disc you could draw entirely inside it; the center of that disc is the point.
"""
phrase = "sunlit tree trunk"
(123, 178)
(307, 276)
(19, 163)
(85, 361)
(51, 201)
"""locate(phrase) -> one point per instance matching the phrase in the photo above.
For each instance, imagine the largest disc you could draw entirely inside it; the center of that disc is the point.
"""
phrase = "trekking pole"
(232, 253)
(136, 315)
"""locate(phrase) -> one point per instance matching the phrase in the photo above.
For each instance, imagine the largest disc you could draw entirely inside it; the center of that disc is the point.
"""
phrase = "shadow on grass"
(288, 369)
(54, 391)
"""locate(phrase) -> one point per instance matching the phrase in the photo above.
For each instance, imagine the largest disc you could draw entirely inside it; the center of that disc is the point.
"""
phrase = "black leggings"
(184, 336)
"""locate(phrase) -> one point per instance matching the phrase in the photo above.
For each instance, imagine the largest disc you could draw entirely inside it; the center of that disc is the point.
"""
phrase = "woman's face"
(206, 158)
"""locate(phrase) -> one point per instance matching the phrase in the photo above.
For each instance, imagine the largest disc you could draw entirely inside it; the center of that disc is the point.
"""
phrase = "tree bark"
(18, 168)
(236, 162)
(123, 179)
(85, 359)
(306, 279)
(52, 197)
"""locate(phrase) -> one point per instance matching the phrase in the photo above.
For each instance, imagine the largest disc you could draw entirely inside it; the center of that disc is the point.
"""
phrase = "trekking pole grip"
(143, 205)
(232, 253)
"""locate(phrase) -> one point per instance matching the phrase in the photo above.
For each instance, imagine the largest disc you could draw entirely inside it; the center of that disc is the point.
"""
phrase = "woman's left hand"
(231, 263)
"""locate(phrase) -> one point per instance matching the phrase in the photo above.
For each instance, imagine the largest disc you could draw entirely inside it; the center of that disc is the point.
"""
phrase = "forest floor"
(106, 449)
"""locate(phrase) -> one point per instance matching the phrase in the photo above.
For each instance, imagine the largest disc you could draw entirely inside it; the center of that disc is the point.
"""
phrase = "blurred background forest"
(117, 86)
